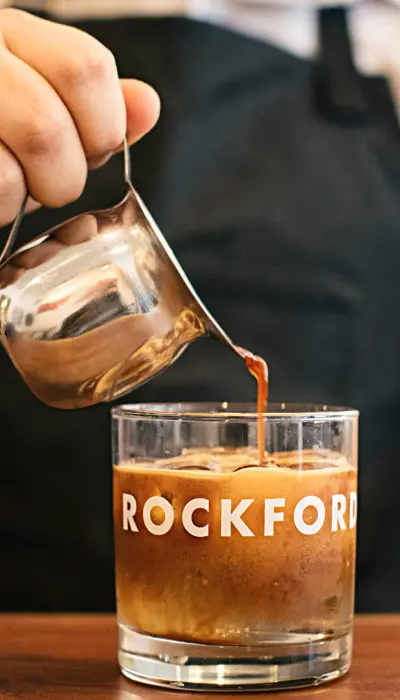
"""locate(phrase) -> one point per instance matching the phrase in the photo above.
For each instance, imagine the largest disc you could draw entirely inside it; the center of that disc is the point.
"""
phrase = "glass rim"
(222, 411)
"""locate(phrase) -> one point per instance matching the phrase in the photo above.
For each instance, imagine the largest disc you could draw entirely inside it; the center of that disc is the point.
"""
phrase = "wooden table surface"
(73, 657)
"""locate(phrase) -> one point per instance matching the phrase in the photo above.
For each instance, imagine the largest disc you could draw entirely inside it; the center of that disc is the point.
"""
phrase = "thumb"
(142, 108)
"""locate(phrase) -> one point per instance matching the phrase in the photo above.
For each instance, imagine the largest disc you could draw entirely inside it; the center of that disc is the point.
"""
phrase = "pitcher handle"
(12, 236)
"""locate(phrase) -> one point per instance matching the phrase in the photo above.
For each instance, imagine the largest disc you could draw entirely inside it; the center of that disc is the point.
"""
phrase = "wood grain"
(73, 657)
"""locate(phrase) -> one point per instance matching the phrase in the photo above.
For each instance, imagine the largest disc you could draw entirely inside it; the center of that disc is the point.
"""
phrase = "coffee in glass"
(233, 572)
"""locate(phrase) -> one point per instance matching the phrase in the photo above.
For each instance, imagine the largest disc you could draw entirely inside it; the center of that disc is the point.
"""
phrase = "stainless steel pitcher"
(98, 306)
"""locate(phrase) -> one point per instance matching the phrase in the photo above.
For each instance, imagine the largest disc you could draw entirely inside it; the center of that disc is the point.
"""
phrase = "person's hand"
(63, 111)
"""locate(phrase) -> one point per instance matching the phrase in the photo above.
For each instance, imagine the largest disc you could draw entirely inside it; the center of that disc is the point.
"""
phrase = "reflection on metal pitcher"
(98, 306)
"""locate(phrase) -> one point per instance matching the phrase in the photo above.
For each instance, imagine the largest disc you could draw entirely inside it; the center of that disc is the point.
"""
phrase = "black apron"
(276, 180)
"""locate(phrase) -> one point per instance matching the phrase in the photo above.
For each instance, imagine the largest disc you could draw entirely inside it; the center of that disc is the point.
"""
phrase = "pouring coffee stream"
(258, 368)
(99, 305)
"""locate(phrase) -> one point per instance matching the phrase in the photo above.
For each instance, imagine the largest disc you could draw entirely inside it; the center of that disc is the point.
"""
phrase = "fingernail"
(32, 205)
(94, 163)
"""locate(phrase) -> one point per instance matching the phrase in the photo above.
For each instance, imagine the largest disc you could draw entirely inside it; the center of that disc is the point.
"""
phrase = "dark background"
(281, 200)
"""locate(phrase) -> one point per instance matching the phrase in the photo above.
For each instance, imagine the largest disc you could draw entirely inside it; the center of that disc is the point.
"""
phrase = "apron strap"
(341, 91)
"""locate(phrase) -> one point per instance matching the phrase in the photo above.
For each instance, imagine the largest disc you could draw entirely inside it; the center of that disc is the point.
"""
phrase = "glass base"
(289, 661)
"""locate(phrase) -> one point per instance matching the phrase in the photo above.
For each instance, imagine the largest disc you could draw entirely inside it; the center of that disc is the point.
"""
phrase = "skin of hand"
(63, 111)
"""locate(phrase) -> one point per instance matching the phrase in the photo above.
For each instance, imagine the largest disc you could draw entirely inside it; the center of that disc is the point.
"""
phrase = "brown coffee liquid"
(259, 369)
(232, 588)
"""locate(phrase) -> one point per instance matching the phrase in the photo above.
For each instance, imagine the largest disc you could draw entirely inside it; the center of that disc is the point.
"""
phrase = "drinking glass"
(231, 574)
